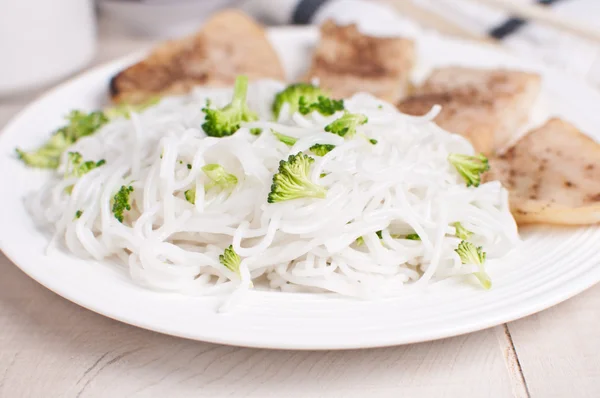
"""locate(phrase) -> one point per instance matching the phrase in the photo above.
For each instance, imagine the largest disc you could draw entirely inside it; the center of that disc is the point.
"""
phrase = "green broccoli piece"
(189, 166)
(190, 195)
(80, 124)
(360, 241)
(292, 94)
(124, 110)
(412, 236)
(230, 260)
(462, 232)
(373, 141)
(47, 156)
(76, 167)
(286, 139)
(317, 149)
(121, 202)
(226, 121)
(321, 149)
(78, 214)
(346, 125)
(219, 177)
(470, 167)
(324, 105)
(292, 180)
(470, 254)
(256, 131)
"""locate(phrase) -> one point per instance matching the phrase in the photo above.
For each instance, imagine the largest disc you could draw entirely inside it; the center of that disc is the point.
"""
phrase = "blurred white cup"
(44, 40)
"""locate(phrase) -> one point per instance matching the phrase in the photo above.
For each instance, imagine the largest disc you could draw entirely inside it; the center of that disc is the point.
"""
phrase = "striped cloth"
(546, 44)
(549, 45)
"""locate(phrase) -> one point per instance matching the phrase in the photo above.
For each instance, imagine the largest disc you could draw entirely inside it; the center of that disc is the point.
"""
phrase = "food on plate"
(209, 193)
(488, 107)
(553, 175)
(305, 98)
(79, 124)
(228, 44)
(347, 61)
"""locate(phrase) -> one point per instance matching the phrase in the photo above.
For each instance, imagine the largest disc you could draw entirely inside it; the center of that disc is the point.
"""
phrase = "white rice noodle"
(403, 184)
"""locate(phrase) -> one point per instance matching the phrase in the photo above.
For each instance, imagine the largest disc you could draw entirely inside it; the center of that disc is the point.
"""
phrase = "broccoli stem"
(240, 90)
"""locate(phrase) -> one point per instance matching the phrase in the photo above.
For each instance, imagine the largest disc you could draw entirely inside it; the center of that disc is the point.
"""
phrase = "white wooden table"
(50, 347)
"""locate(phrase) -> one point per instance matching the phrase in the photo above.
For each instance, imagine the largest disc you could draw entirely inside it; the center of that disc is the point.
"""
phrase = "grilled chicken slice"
(488, 107)
(553, 175)
(230, 43)
(347, 61)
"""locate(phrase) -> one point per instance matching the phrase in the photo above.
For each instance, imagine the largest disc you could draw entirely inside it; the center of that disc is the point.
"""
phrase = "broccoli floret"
(412, 236)
(470, 167)
(470, 254)
(292, 180)
(256, 131)
(346, 125)
(124, 110)
(226, 121)
(292, 94)
(360, 241)
(286, 139)
(324, 105)
(317, 149)
(78, 214)
(231, 260)
(373, 141)
(80, 125)
(48, 156)
(76, 167)
(219, 177)
(190, 195)
(121, 202)
(462, 232)
(321, 149)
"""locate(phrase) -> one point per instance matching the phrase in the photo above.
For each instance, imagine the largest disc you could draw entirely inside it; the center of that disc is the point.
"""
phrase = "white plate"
(552, 265)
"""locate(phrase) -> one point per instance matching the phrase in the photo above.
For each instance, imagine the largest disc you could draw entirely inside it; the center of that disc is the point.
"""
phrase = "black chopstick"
(513, 24)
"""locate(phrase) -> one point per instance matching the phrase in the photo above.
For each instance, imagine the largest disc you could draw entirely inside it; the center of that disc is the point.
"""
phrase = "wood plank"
(559, 349)
(51, 347)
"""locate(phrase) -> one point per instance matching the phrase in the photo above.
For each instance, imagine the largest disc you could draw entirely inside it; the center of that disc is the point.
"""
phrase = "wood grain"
(559, 349)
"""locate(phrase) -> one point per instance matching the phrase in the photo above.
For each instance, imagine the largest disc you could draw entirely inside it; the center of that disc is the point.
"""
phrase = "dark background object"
(514, 24)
